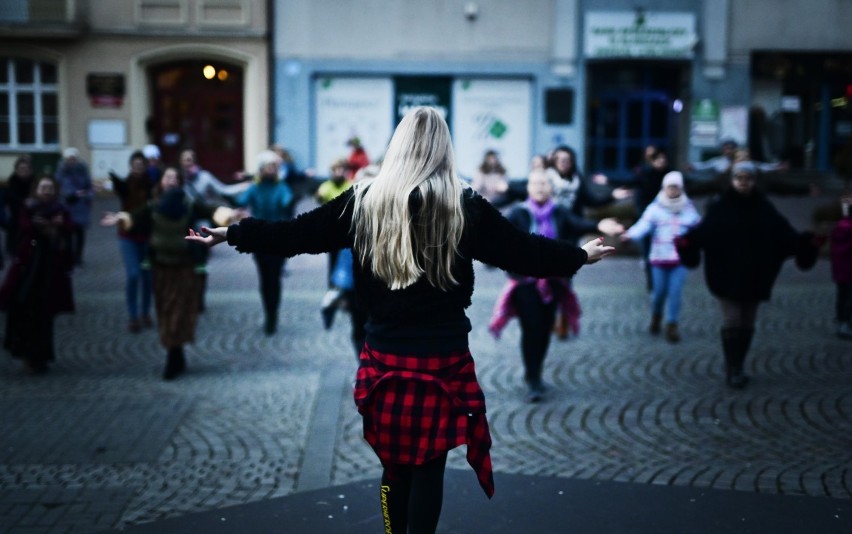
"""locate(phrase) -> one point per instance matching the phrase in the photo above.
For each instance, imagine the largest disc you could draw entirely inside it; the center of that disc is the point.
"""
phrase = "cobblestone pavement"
(102, 442)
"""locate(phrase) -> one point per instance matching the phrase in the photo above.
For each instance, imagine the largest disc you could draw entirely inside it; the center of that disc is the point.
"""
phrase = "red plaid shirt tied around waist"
(416, 408)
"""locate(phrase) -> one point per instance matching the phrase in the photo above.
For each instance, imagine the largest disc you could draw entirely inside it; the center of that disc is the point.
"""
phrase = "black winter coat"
(745, 241)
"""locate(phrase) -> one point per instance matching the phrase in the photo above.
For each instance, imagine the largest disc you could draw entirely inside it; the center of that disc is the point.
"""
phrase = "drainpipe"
(270, 72)
(824, 129)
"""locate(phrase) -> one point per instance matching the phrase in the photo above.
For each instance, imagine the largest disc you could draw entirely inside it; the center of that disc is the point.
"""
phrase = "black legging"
(844, 302)
(412, 495)
(269, 270)
(77, 242)
(536, 320)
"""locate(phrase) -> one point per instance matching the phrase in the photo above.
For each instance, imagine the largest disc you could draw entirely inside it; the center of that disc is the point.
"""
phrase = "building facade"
(606, 77)
(111, 77)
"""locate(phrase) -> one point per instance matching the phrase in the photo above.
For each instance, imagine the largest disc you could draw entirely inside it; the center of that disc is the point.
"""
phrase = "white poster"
(492, 115)
(352, 107)
(733, 123)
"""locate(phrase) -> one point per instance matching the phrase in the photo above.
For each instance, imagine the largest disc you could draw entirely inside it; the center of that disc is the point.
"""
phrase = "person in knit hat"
(670, 215)
(269, 198)
(745, 240)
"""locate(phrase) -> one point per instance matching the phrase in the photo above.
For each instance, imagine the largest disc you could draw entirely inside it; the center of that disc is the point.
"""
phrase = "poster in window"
(492, 115)
(347, 108)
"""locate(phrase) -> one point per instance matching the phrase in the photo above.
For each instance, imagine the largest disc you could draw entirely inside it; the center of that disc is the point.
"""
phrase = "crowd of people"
(402, 235)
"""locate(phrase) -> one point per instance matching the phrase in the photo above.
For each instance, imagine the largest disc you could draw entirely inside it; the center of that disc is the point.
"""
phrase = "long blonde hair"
(402, 246)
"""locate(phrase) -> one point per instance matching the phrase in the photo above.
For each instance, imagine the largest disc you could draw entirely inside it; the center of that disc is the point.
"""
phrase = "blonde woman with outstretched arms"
(415, 230)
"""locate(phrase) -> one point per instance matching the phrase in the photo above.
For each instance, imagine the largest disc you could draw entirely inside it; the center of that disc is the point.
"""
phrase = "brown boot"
(656, 323)
(672, 335)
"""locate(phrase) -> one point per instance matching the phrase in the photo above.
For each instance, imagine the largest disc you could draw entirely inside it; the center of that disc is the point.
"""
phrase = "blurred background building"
(110, 77)
(228, 77)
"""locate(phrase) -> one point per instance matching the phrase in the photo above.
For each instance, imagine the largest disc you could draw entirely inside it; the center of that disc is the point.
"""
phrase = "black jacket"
(420, 314)
(745, 241)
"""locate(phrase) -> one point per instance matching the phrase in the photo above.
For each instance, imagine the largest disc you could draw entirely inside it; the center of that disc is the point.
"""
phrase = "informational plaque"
(105, 90)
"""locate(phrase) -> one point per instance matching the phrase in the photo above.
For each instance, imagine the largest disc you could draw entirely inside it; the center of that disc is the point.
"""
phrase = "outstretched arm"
(214, 235)
(597, 250)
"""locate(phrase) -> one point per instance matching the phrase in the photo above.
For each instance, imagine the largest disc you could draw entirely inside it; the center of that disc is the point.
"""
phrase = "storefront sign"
(105, 90)
(704, 130)
(639, 34)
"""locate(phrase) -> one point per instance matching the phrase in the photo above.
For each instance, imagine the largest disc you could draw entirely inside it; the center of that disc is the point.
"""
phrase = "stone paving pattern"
(102, 442)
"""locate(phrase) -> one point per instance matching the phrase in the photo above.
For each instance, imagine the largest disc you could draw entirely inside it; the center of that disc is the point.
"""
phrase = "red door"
(198, 105)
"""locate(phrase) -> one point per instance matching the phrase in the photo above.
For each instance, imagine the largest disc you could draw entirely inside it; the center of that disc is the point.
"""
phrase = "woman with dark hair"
(38, 284)
(134, 192)
(572, 191)
(176, 286)
(415, 230)
(490, 180)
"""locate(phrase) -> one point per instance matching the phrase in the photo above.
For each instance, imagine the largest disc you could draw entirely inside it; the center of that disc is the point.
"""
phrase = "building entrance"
(631, 105)
(198, 105)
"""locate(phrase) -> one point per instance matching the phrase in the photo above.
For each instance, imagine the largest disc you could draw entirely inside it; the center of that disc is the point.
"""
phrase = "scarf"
(674, 205)
(542, 224)
(542, 215)
(172, 203)
(566, 190)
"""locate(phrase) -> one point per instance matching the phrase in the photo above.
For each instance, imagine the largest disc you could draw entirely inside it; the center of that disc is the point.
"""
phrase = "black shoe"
(534, 396)
(535, 392)
(175, 364)
(737, 379)
(270, 326)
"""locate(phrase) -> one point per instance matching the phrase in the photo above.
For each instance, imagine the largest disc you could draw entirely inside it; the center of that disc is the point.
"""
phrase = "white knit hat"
(673, 178)
(266, 157)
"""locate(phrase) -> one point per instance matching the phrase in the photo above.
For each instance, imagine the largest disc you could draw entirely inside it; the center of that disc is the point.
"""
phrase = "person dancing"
(415, 230)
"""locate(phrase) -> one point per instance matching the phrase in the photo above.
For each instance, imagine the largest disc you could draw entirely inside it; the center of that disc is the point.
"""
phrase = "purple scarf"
(542, 218)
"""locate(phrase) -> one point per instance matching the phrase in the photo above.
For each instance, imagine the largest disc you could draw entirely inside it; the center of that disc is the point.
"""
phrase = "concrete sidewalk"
(525, 504)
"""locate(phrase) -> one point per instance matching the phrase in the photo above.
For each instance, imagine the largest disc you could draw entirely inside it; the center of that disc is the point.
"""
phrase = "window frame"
(10, 89)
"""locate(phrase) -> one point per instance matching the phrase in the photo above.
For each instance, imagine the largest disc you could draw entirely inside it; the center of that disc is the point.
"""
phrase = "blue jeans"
(133, 253)
(668, 286)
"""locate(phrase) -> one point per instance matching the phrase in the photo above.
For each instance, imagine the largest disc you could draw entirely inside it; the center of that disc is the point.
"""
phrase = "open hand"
(214, 235)
(597, 250)
(610, 226)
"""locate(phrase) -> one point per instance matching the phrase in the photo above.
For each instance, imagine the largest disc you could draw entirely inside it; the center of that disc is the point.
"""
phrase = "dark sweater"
(420, 318)
(745, 241)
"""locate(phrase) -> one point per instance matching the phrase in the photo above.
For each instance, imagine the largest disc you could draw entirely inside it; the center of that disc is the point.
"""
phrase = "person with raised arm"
(415, 230)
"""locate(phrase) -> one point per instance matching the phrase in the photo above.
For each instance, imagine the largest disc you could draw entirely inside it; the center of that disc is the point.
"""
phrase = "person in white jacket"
(670, 215)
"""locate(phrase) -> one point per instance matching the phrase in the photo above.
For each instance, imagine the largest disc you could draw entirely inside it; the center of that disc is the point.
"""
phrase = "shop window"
(29, 110)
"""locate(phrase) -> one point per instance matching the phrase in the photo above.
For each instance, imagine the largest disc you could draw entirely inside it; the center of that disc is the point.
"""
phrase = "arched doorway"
(198, 105)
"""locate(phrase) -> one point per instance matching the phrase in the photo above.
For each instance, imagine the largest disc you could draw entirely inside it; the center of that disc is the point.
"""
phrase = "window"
(29, 105)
